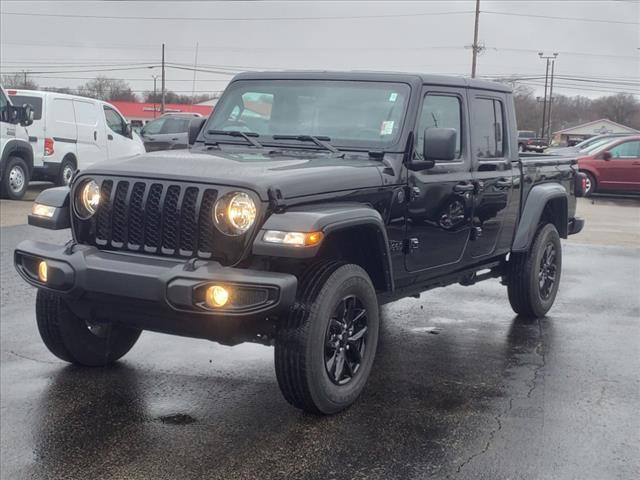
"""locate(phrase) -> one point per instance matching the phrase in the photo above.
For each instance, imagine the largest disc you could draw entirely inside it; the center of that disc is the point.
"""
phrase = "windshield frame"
(396, 145)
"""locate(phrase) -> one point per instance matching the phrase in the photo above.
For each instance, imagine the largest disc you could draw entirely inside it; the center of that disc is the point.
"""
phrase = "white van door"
(92, 137)
(119, 145)
(61, 127)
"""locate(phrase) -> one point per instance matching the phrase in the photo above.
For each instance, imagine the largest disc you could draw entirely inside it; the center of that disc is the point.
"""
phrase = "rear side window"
(440, 111)
(35, 102)
(488, 128)
(86, 113)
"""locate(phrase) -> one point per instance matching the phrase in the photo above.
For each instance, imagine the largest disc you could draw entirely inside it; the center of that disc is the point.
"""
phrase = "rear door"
(440, 208)
(622, 171)
(61, 126)
(492, 173)
(92, 138)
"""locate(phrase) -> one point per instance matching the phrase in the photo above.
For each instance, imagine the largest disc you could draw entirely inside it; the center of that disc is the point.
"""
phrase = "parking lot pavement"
(460, 389)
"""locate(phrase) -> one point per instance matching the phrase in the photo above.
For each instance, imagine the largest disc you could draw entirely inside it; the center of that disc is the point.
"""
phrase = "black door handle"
(110, 137)
(95, 135)
(464, 187)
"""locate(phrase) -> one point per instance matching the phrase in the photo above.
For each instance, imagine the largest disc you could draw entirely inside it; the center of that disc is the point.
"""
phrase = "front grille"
(154, 217)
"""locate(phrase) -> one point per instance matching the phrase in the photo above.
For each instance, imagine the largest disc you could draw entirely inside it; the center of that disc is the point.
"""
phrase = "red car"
(613, 167)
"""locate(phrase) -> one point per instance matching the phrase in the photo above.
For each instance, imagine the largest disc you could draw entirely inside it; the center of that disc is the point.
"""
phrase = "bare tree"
(19, 80)
(103, 88)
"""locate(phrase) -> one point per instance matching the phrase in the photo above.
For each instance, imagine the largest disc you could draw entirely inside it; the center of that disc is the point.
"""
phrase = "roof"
(411, 78)
(146, 110)
(596, 130)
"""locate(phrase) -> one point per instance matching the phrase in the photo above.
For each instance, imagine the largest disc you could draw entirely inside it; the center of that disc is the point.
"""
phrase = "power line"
(551, 17)
(235, 19)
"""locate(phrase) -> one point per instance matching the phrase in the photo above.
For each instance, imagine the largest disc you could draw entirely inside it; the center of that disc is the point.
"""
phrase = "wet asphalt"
(461, 388)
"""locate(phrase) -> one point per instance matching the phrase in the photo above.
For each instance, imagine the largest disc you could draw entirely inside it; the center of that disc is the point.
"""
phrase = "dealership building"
(138, 113)
(573, 135)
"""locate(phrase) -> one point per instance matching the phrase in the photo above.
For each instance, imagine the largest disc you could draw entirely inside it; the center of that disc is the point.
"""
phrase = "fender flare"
(534, 206)
(22, 148)
(60, 198)
(328, 219)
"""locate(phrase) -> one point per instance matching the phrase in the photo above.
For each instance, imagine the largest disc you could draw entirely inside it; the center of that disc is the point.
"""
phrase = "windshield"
(356, 114)
(526, 134)
(593, 147)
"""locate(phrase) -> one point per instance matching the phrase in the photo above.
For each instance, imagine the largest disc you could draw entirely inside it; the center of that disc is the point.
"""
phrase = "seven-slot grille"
(155, 217)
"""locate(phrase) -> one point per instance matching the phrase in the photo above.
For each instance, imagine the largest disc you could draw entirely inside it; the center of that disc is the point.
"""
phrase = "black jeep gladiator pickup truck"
(306, 201)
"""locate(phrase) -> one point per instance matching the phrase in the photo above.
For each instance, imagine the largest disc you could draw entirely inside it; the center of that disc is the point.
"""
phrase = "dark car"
(528, 142)
(307, 200)
(169, 132)
(613, 166)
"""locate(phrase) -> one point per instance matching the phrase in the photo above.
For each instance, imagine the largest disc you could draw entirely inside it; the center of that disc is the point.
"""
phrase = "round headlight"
(234, 213)
(87, 199)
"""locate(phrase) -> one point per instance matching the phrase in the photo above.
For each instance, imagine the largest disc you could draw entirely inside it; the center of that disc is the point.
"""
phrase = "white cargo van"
(16, 154)
(70, 132)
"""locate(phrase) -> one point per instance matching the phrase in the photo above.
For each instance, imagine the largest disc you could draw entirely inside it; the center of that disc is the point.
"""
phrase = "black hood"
(295, 176)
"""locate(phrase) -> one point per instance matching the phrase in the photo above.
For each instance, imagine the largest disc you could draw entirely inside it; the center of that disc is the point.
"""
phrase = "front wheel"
(590, 185)
(15, 179)
(72, 339)
(325, 348)
(534, 276)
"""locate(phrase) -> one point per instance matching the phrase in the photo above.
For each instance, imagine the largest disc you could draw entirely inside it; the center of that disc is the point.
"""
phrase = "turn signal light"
(296, 239)
(43, 270)
(216, 296)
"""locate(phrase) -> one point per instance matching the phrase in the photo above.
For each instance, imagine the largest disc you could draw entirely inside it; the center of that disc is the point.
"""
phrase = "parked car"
(585, 144)
(613, 167)
(306, 201)
(528, 142)
(70, 132)
(16, 154)
(169, 132)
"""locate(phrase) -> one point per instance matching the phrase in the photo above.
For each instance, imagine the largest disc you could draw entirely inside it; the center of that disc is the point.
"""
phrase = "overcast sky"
(597, 41)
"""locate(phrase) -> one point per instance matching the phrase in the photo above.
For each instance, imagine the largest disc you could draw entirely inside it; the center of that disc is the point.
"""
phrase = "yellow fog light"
(217, 296)
(42, 271)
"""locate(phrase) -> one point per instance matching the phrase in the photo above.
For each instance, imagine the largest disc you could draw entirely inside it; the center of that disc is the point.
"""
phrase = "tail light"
(12, 92)
(48, 146)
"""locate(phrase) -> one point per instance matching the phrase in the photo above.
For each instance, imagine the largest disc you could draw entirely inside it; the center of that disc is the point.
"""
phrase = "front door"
(119, 145)
(441, 198)
(622, 170)
(493, 174)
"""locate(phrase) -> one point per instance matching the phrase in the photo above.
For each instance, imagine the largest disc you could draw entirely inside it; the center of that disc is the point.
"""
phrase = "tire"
(15, 179)
(591, 185)
(67, 168)
(529, 296)
(310, 345)
(70, 338)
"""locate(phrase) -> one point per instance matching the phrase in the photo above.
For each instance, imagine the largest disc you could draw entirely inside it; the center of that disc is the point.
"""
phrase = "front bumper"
(154, 293)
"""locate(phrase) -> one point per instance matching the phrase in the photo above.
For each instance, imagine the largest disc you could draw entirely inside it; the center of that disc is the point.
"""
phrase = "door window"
(626, 150)
(153, 127)
(488, 128)
(440, 111)
(175, 125)
(115, 121)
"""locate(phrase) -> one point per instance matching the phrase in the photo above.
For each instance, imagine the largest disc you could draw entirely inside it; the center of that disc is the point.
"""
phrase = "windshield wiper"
(237, 133)
(320, 141)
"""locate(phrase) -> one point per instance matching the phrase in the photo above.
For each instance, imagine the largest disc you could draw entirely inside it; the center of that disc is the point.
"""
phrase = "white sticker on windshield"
(392, 97)
(386, 128)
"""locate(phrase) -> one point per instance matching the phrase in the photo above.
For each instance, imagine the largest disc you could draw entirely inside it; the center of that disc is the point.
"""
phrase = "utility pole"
(553, 64)
(546, 82)
(162, 104)
(475, 48)
(155, 97)
(195, 68)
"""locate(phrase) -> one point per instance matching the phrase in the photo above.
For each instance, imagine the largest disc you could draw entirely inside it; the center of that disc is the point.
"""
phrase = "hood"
(295, 176)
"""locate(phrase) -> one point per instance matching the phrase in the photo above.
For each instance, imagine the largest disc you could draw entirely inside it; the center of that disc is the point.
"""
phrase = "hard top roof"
(366, 76)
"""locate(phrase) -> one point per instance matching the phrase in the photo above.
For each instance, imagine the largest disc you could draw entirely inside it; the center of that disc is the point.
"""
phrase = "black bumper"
(159, 294)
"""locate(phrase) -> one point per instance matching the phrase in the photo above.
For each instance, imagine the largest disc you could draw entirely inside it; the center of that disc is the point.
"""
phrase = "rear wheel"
(534, 276)
(72, 339)
(67, 167)
(325, 349)
(15, 179)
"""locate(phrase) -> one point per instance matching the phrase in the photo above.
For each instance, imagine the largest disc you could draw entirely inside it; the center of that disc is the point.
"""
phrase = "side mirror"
(128, 131)
(194, 129)
(606, 155)
(439, 144)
